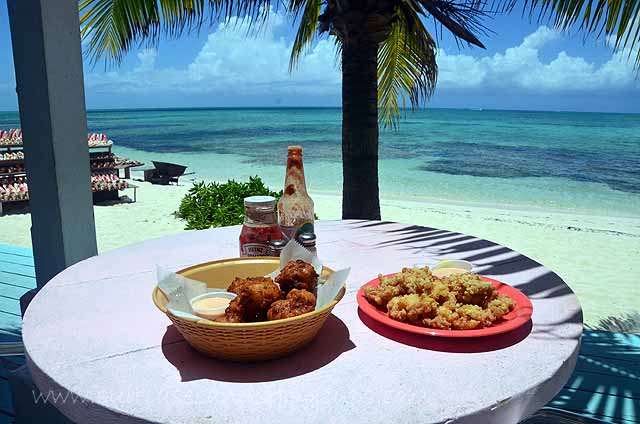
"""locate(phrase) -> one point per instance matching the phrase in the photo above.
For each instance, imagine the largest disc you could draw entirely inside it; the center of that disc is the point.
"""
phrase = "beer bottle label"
(293, 231)
(289, 231)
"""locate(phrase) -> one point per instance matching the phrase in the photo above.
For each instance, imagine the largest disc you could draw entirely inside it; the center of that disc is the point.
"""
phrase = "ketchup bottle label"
(254, 249)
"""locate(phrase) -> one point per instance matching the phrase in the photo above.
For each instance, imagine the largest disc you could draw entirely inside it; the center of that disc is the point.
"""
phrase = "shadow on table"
(332, 340)
(487, 255)
(443, 344)
(492, 259)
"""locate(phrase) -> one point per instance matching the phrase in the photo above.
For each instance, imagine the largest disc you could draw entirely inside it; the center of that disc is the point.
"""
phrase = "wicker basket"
(248, 341)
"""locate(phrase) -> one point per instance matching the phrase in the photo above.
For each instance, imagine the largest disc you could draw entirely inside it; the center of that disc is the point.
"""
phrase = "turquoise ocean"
(574, 162)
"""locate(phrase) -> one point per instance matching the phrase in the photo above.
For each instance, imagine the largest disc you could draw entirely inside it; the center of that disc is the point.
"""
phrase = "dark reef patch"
(504, 161)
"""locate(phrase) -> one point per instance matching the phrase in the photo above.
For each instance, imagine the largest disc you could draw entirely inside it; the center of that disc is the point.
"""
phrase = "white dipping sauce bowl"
(448, 267)
(212, 313)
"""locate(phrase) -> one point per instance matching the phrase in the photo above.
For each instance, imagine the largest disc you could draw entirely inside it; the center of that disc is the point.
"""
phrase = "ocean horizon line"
(403, 111)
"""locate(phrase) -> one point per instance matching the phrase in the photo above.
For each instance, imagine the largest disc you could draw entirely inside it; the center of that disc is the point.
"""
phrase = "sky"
(526, 65)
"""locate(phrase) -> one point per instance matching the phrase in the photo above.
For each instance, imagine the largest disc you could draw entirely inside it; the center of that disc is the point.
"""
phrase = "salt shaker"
(276, 246)
(308, 241)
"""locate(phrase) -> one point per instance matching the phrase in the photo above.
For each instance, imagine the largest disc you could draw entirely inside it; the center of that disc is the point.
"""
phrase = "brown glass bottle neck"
(295, 175)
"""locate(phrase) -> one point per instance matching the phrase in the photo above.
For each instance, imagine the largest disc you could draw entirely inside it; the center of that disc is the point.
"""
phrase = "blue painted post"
(48, 63)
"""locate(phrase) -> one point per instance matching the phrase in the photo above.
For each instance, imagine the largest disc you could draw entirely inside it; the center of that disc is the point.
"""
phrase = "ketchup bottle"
(260, 226)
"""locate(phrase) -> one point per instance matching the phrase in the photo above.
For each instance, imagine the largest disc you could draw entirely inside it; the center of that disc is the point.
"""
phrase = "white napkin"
(180, 290)
(328, 289)
(294, 251)
(328, 286)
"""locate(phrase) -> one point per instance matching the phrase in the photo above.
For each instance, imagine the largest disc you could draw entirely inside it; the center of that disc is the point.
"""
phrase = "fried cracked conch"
(456, 302)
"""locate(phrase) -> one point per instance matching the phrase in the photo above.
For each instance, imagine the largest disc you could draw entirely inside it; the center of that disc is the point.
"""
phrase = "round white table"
(93, 334)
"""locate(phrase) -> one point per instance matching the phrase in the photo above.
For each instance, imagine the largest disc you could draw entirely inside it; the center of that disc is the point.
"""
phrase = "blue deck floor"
(606, 383)
(17, 276)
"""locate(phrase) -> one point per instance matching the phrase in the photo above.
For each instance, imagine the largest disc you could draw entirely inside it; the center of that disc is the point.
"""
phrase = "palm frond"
(179, 15)
(619, 19)
(114, 27)
(337, 59)
(307, 28)
(406, 66)
(294, 7)
(461, 18)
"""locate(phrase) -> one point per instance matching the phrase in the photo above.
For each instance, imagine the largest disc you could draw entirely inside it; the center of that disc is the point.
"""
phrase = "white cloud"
(234, 62)
(521, 67)
(539, 38)
(147, 58)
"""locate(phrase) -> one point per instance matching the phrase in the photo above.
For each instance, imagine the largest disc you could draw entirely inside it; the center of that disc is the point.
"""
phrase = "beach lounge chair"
(165, 173)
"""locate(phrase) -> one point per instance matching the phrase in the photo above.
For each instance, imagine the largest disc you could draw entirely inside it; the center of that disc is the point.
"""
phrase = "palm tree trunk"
(360, 129)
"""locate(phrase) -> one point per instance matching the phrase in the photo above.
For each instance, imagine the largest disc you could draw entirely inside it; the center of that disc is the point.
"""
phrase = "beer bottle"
(295, 208)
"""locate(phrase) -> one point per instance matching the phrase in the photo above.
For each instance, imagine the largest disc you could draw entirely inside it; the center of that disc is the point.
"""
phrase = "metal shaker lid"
(278, 244)
(307, 239)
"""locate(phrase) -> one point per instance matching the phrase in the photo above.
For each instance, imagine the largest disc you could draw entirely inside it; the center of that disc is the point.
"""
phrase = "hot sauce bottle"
(295, 208)
(260, 226)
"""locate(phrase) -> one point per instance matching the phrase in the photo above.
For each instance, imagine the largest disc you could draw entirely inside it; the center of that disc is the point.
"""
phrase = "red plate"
(514, 319)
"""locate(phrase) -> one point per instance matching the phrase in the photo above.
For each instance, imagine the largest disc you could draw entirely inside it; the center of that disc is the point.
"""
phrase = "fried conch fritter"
(255, 296)
(237, 283)
(458, 302)
(298, 302)
(297, 275)
(260, 298)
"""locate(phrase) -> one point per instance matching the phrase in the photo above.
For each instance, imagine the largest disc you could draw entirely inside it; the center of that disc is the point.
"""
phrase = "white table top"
(93, 331)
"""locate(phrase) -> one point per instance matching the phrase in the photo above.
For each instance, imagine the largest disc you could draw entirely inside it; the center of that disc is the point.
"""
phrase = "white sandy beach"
(596, 255)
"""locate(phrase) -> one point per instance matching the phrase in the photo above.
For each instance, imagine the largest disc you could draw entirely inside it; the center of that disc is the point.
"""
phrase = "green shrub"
(209, 205)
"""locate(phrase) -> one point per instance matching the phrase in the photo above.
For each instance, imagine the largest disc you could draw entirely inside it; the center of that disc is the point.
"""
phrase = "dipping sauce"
(445, 272)
(211, 303)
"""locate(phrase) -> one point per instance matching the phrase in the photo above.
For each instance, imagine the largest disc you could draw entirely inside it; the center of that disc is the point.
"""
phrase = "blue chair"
(549, 415)
(11, 349)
